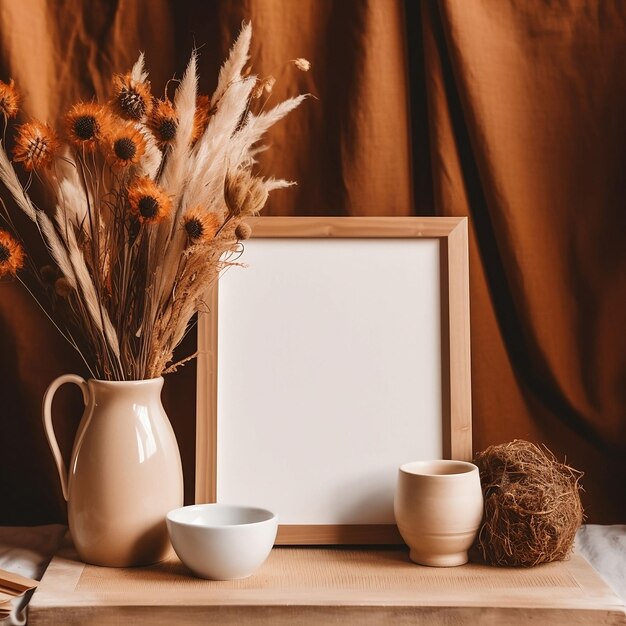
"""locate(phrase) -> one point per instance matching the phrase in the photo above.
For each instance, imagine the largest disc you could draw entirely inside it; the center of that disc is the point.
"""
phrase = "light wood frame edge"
(455, 350)
(206, 403)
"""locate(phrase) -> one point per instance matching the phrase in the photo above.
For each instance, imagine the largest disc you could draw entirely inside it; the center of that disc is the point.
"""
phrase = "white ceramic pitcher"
(125, 471)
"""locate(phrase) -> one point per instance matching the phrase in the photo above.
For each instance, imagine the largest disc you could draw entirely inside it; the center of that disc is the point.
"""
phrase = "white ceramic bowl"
(222, 542)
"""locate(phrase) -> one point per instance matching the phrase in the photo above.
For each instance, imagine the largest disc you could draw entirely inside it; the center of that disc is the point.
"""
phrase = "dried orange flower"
(11, 254)
(125, 145)
(35, 145)
(86, 124)
(201, 116)
(302, 64)
(147, 201)
(200, 225)
(163, 121)
(9, 99)
(131, 99)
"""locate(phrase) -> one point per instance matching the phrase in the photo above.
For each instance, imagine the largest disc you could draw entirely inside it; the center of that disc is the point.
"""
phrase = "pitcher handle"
(49, 428)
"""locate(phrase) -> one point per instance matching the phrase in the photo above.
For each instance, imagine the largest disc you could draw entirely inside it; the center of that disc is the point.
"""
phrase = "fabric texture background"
(510, 113)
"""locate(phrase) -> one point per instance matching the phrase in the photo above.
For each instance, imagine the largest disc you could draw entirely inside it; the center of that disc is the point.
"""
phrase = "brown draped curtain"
(512, 113)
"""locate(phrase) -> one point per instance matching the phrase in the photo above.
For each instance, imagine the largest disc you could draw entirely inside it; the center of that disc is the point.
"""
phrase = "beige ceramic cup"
(438, 508)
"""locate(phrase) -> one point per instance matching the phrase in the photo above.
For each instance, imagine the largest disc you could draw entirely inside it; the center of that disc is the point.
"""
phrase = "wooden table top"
(326, 586)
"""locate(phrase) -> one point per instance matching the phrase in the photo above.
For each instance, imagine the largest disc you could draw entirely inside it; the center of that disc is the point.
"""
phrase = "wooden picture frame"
(450, 235)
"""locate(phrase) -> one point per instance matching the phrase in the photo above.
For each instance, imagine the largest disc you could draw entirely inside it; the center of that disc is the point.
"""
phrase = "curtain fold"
(510, 113)
(526, 106)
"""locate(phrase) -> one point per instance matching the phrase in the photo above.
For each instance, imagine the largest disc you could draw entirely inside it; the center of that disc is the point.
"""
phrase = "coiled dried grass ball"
(532, 505)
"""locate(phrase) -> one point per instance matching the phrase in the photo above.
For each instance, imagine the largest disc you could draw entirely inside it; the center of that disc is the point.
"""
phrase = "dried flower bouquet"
(151, 198)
